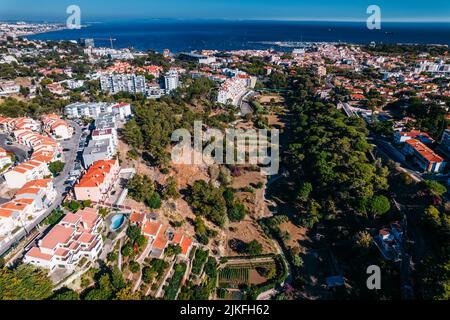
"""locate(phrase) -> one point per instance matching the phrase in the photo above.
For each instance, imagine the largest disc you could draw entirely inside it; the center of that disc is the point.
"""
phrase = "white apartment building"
(231, 90)
(75, 237)
(171, 81)
(27, 171)
(115, 83)
(122, 110)
(88, 110)
(27, 204)
(8, 87)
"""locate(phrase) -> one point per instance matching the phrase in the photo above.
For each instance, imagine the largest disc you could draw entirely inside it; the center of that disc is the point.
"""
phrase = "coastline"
(188, 35)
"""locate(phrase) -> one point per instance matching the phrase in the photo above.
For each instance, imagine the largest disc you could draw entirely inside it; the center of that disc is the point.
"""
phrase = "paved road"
(20, 151)
(69, 158)
(243, 104)
(390, 152)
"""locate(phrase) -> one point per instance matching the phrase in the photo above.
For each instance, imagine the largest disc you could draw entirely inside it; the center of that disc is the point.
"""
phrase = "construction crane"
(110, 39)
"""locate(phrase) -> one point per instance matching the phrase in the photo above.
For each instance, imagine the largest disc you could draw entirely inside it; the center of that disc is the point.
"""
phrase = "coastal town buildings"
(401, 137)
(27, 171)
(160, 235)
(445, 140)
(171, 81)
(29, 202)
(104, 138)
(88, 110)
(115, 83)
(423, 156)
(94, 110)
(8, 88)
(232, 90)
(56, 127)
(75, 237)
(44, 150)
(96, 183)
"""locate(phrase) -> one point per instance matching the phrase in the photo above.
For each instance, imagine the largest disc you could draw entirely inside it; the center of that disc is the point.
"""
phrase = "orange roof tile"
(35, 252)
(42, 183)
(185, 245)
(6, 213)
(424, 151)
(58, 234)
(151, 228)
(14, 206)
(27, 191)
(177, 237)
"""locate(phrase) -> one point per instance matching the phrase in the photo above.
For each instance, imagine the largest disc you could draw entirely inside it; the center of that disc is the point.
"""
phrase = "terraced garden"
(235, 275)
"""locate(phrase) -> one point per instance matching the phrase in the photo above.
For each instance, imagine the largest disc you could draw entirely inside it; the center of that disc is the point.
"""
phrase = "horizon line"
(105, 19)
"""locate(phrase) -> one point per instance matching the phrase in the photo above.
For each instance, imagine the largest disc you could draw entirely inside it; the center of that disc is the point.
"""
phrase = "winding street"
(267, 295)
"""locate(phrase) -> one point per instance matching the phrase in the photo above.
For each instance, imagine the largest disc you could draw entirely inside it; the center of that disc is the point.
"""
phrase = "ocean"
(185, 35)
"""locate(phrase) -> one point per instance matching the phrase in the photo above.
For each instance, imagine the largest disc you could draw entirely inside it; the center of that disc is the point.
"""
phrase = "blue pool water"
(117, 221)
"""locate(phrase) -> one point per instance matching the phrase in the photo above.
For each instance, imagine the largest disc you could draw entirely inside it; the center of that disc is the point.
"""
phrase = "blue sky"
(331, 10)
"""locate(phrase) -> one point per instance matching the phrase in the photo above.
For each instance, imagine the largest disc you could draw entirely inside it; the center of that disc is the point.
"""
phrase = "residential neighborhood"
(95, 204)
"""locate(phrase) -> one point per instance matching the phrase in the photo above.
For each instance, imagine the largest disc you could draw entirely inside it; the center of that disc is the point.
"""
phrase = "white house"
(31, 170)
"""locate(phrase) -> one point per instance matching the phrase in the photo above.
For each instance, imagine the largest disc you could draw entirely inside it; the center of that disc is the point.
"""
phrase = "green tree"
(379, 205)
(54, 217)
(304, 191)
(133, 232)
(141, 241)
(170, 190)
(236, 212)
(72, 206)
(127, 249)
(363, 239)
(435, 187)
(133, 135)
(173, 250)
(127, 294)
(134, 266)
(432, 216)
(66, 294)
(140, 188)
(112, 256)
(154, 201)
(56, 167)
(24, 283)
(208, 201)
(253, 248)
(147, 275)
(117, 279)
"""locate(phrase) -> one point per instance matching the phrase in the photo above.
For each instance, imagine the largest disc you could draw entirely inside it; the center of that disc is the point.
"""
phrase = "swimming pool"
(117, 221)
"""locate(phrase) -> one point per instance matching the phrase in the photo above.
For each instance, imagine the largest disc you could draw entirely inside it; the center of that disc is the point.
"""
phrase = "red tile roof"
(424, 151)
(151, 228)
